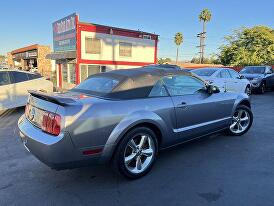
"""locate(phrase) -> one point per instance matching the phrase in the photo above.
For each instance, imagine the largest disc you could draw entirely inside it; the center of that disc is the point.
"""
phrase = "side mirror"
(211, 89)
(268, 72)
(241, 76)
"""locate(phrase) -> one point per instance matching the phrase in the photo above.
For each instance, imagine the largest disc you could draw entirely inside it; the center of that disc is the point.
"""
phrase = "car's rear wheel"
(262, 88)
(248, 90)
(136, 153)
(241, 121)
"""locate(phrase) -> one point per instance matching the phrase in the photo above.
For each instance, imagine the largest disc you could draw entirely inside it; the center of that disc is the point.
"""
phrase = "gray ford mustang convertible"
(126, 116)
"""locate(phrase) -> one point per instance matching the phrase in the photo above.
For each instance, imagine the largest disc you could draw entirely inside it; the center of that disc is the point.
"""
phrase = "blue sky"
(29, 22)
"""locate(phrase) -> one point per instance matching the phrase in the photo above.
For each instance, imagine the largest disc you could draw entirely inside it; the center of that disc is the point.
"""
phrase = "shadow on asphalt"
(9, 118)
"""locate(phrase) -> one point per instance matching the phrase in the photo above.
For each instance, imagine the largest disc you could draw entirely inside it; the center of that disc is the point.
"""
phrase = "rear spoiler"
(52, 98)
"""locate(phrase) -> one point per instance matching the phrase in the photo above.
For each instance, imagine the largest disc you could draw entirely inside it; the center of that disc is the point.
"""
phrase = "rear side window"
(158, 90)
(34, 76)
(19, 77)
(204, 72)
(4, 78)
(98, 84)
(224, 74)
(233, 74)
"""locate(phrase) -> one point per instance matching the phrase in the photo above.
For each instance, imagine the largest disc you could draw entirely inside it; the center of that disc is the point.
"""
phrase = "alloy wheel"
(240, 122)
(139, 153)
(248, 91)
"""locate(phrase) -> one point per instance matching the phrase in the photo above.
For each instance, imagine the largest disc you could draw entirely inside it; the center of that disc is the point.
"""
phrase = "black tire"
(250, 114)
(248, 90)
(118, 161)
(262, 88)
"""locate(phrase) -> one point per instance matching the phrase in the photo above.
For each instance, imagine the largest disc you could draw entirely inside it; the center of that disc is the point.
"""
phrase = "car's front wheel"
(241, 121)
(136, 153)
(248, 90)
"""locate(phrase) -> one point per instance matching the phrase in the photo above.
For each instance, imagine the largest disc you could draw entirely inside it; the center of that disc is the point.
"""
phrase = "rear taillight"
(51, 123)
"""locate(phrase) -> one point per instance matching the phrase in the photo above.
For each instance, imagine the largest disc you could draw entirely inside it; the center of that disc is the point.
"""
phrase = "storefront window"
(87, 70)
(72, 73)
(65, 72)
(93, 69)
(68, 75)
(84, 72)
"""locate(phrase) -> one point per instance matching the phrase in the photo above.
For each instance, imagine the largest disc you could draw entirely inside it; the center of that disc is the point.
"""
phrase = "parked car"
(226, 79)
(126, 116)
(4, 66)
(260, 77)
(14, 86)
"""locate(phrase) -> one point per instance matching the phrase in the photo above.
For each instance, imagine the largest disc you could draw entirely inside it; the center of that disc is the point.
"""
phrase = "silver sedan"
(226, 79)
(126, 116)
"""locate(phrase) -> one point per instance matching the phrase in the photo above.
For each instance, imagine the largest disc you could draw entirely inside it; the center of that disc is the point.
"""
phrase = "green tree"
(195, 60)
(178, 39)
(2, 58)
(213, 59)
(163, 60)
(204, 16)
(249, 46)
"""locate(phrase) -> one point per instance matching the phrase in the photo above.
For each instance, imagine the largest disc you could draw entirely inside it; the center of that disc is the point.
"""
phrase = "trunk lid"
(39, 103)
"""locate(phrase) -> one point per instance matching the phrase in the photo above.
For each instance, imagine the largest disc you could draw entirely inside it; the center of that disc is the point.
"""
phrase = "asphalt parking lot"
(218, 170)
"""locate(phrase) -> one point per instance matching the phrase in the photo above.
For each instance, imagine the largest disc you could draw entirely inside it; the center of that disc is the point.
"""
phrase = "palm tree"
(178, 39)
(205, 16)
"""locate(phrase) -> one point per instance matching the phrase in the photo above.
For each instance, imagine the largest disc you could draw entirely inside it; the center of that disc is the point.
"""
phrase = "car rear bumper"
(58, 152)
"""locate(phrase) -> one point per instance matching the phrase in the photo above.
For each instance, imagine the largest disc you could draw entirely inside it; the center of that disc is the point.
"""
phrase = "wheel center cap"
(139, 152)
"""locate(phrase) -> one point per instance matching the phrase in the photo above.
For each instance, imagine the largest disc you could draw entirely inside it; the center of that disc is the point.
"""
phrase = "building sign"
(64, 34)
(31, 54)
(26, 55)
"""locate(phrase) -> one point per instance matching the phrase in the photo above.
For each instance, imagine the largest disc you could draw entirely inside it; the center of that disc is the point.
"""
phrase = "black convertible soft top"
(135, 83)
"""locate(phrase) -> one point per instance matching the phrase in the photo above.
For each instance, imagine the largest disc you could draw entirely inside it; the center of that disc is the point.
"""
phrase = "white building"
(82, 49)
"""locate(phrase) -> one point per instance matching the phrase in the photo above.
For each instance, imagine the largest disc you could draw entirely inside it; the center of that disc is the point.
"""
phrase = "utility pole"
(202, 45)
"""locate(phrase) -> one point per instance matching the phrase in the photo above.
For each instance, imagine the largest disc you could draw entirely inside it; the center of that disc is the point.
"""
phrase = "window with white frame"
(64, 72)
(87, 70)
(72, 74)
(125, 49)
(93, 45)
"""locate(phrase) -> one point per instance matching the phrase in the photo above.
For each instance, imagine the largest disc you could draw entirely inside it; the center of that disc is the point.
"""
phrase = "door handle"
(182, 105)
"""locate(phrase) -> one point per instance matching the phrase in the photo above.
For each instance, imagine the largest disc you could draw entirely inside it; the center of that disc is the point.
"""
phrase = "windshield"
(253, 70)
(203, 72)
(97, 85)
